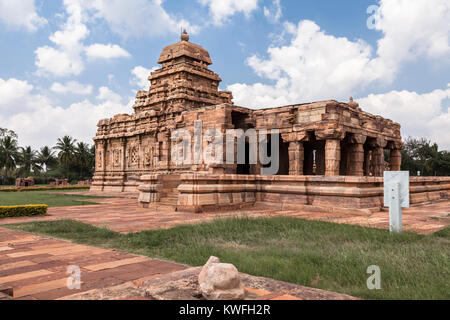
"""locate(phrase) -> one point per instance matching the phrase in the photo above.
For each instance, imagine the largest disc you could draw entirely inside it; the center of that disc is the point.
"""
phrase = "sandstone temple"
(331, 154)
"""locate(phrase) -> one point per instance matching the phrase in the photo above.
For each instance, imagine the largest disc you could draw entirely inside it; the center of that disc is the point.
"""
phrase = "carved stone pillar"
(356, 160)
(123, 145)
(395, 160)
(104, 150)
(378, 161)
(332, 157)
(163, 145)
(149, 190)
(296, 158)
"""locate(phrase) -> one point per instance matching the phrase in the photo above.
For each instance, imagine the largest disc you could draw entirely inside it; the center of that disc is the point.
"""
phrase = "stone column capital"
(330, 134)
(359, 138)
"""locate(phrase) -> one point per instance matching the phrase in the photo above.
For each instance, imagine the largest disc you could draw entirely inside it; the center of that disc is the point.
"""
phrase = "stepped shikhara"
(322, 139)
(184, 82)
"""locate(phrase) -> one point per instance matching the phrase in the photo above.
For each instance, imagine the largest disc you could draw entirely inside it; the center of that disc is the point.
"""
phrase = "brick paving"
(35, 267)
(123, 215)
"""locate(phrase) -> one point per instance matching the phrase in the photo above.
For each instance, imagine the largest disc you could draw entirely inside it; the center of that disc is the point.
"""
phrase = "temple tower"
(184, 82)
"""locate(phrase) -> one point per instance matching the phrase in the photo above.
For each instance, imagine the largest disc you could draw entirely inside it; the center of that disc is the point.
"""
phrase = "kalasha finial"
(353, 104)
(184, 36)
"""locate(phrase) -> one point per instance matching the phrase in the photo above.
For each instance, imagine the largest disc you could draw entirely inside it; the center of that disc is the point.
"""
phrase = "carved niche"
(133, 156)
(117, 156)
(99, 159)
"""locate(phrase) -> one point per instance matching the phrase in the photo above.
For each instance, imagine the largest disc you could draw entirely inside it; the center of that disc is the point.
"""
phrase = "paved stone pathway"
(123, 215)
(35, 267)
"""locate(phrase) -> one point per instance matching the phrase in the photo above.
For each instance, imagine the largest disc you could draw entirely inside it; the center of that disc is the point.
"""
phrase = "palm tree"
(83, 155)
(92, 160)
(9, 154)
(66, 148)
(46, 158)
(28, 162)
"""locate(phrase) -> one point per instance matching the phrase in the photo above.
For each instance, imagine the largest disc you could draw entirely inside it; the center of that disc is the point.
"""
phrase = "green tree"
(9, 154)
(66, 148)
(92, 161)
(421, 155)
(28, 162)
(46, 158)
(83, 156)
(5, 132)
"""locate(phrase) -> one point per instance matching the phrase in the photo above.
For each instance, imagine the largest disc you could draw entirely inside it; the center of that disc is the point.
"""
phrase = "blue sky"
(66, 64)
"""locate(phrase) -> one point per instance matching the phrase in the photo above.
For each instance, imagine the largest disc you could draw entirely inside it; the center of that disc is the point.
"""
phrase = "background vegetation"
(67, 159)
(423, 156)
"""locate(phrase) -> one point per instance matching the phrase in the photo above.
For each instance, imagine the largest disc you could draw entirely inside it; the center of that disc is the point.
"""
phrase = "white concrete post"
(395, 209)
(396, 197)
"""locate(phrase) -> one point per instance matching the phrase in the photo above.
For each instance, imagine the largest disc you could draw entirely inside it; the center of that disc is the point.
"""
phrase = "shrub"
(23, 211)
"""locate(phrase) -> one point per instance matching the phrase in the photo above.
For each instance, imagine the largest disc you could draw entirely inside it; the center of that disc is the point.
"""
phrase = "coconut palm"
(66, 148)
(9, 154)
(83, 156)
(28, 162)
(46, 158)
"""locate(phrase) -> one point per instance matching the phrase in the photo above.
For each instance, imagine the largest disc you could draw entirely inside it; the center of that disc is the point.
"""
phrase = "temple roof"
(185, 48)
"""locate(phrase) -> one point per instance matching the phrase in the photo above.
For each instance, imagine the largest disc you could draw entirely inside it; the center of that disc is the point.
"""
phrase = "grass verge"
(50, 198)
(312, 253)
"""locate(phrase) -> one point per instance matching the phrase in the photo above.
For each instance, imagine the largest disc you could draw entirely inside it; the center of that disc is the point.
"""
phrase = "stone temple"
(331, 154)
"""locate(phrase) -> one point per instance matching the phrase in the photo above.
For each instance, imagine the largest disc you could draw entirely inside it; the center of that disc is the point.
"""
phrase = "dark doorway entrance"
(283, 155)
(244, 168)
(314, 163)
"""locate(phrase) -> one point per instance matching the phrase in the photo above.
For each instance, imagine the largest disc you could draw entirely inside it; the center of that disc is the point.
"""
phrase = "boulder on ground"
(220, 281)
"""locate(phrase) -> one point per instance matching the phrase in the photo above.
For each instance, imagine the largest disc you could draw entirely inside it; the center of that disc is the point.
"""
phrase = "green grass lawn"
(50, 198)
(312, 253)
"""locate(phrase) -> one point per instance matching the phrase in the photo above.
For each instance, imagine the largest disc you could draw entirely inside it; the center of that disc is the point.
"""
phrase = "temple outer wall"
(200, 192)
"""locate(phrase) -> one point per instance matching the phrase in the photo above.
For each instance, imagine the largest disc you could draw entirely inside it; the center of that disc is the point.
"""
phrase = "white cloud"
(136, 18)
(222, 10)
(108, 51)
(39, 122)
(140, 77)
(58, 62)
(273, 14)
(71, 87)
(66, 57)
(21, 14)
(106, 94)
(317, 66)
(314, 66)
(413, 28)
(421, 115)
(16, 96)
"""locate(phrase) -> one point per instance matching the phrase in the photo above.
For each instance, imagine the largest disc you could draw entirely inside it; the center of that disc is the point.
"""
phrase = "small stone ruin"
(24, 182)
